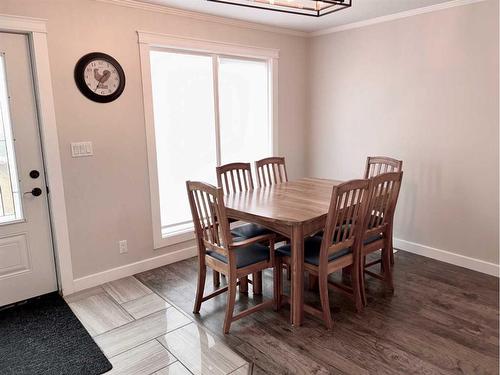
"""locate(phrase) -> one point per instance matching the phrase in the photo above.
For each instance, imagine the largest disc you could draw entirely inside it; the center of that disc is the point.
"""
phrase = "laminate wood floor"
(442, 319)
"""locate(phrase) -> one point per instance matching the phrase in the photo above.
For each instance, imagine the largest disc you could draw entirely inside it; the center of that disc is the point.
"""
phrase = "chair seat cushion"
(367, 241)
(249, 231)
(245, 256)
(312, 246)
(373, 238)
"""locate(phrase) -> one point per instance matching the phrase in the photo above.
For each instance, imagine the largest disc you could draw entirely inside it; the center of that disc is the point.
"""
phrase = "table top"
(292, 202)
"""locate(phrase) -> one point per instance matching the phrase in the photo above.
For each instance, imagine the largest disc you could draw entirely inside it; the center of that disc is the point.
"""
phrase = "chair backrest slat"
(209, 217)
(376, 165)
(235, 177)
(271, 171)
(383, 194)
(346, 215)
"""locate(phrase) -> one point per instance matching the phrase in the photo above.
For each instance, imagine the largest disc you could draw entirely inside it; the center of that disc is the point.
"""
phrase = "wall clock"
(99, 77)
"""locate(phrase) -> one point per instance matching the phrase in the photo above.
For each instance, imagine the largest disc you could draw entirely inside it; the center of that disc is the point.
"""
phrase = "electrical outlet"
(123, 246)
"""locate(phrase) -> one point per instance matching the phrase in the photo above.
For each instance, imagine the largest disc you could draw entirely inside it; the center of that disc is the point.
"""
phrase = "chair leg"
(257, 283)
(202, 274)
(277, 283)
(391, 247)
(362, 286)
(231, 298)
(288, 272)
(216, 278)
(325, 302)
(356, 287)
(287, 267)
(244, 284)
(386, 261)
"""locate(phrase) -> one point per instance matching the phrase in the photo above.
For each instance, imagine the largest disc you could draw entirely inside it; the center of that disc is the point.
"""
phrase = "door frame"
(36, 30)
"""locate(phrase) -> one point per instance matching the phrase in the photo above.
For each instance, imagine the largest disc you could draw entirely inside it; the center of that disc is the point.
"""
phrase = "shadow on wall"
(423, 178)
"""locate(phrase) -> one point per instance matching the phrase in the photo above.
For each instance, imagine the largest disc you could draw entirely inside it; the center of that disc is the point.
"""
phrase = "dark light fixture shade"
(305, 7)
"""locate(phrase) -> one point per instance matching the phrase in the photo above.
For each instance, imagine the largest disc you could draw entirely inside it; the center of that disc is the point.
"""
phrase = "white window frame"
(149, 41)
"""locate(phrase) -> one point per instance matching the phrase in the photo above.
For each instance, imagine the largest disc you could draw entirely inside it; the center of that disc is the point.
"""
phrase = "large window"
(208, 109)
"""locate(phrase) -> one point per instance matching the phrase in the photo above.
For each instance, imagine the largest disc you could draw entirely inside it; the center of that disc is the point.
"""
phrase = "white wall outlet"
(123, 246)
(80, 149)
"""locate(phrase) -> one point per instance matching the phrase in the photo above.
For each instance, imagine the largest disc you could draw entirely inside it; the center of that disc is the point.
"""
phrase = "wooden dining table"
(294, 209)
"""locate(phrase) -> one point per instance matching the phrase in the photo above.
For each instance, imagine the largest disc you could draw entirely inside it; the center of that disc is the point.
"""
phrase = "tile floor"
(142, 333)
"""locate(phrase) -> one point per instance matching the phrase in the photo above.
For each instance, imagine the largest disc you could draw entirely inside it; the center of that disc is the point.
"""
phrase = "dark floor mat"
(43, 336)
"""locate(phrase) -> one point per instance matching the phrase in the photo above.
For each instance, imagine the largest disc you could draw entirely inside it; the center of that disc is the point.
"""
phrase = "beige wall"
(423, 89)
(107, 196)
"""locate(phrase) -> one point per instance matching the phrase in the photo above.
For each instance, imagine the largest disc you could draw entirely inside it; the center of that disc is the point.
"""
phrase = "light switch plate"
(80, 149)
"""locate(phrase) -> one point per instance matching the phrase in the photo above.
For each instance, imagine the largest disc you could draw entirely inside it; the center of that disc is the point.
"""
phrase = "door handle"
(36, 192)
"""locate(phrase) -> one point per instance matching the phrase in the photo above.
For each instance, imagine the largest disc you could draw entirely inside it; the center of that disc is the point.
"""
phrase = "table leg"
(244, 284)
(257, 283)
(297, 293)
(216, 278)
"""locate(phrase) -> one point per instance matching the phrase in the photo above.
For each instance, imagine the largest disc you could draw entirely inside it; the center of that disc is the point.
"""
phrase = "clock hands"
(98, 83)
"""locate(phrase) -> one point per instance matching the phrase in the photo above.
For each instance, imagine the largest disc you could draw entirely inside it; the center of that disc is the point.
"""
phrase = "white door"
(26, 253)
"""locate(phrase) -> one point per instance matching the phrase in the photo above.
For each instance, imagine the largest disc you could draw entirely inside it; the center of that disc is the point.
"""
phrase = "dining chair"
(377, 228)
(271, 171)
(339, 247)
(217, 249)
(235, 178)
(376, 165)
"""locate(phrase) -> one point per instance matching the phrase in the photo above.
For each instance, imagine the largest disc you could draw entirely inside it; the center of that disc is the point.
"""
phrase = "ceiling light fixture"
(305, 7)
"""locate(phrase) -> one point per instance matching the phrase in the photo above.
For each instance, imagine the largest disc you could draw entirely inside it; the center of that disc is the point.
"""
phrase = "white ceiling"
(360, 10)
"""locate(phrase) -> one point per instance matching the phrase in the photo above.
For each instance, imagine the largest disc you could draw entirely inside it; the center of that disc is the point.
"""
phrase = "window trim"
(147, 42)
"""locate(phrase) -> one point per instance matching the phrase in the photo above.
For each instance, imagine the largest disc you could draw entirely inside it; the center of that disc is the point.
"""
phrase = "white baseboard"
(448, 257)
(132, 268)
(176, 256)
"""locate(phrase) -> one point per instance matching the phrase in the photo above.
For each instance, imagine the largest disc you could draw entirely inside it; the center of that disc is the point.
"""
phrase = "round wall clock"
(99, 77)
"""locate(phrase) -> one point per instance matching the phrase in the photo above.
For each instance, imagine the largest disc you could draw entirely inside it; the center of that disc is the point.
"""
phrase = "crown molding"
(204, 17)
(279, 30)
(394, 16)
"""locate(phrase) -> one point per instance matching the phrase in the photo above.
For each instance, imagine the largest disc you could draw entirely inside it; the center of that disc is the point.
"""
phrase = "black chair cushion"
(372, 239)
(367, 241)
(312, 246)
(249, 231)
(245, 256)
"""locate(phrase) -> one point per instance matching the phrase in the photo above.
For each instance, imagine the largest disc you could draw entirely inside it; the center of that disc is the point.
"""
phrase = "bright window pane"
(244, 110)
(10, 197)
(183, 103)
